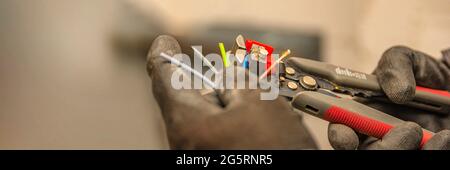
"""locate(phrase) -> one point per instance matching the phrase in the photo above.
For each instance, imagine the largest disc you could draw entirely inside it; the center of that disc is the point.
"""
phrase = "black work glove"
(242, 122)
(399, 71)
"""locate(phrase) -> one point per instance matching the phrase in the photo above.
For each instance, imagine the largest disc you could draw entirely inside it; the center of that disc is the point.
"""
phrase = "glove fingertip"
(395, 74)
(399, 92)
(162, 43)
(342, 137)
(440, 141)
(406, 136)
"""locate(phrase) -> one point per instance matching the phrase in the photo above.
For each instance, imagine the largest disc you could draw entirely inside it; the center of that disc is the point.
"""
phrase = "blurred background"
(72, 73)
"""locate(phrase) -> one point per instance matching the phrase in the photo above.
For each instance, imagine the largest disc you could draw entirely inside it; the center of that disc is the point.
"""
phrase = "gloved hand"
(398, 72)
(242, 122)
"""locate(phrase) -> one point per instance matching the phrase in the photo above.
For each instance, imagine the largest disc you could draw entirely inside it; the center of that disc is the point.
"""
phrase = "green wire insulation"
(224, 55)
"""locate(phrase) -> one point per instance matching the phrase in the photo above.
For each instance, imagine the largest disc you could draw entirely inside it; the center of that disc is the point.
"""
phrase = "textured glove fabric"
(401, 68)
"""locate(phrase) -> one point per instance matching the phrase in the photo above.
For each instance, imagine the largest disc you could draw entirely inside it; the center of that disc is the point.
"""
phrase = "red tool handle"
(437, 101)
(357, 116)
(363, 124)
(441, 93)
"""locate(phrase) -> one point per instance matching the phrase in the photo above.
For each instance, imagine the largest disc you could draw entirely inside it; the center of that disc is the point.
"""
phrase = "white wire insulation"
(189, 69)
(206, 61)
